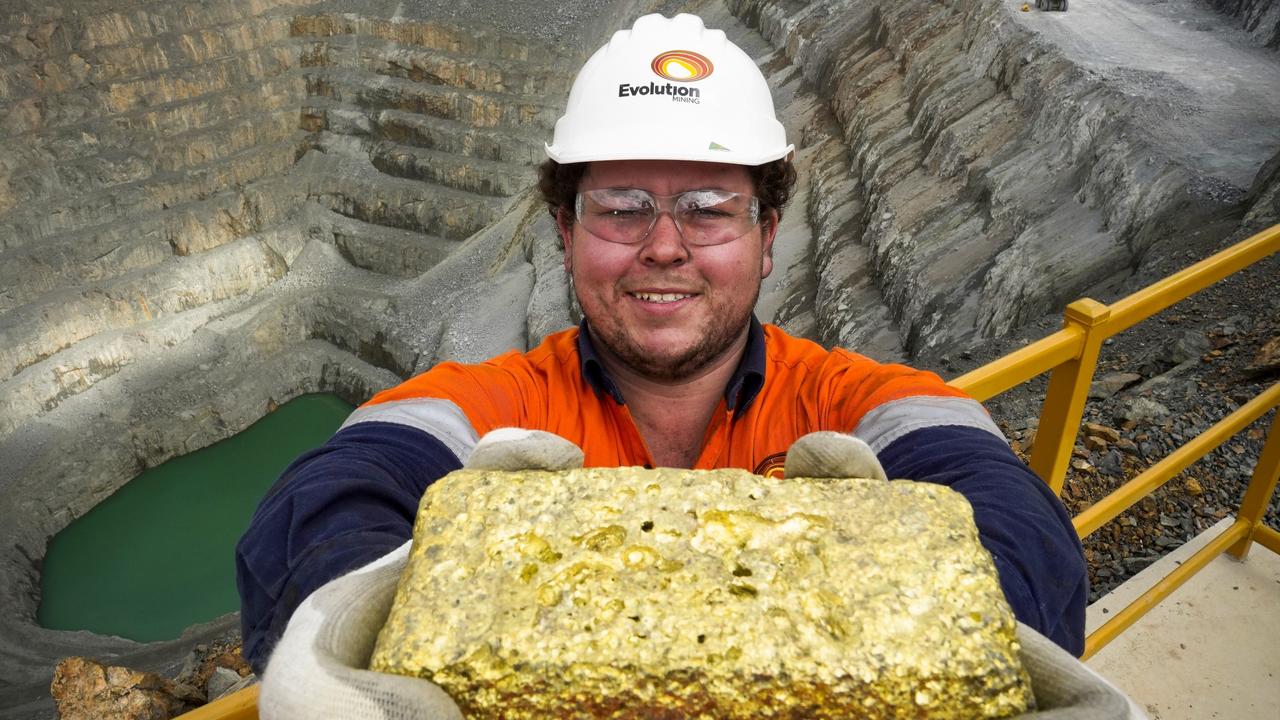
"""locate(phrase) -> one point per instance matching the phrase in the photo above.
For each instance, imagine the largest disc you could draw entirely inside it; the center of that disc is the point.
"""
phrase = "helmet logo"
(681, 66)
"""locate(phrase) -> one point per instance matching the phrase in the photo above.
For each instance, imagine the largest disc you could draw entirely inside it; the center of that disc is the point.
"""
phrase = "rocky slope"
(207, 208)
(1260, 18)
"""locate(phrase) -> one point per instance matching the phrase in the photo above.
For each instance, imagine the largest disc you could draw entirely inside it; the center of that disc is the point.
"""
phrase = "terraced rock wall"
(210, 208)
(1000, 176)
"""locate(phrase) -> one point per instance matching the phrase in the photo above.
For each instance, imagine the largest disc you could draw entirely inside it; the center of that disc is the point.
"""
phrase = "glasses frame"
(667, 204)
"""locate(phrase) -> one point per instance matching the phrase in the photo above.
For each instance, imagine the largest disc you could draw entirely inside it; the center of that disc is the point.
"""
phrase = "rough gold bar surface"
(632, 593)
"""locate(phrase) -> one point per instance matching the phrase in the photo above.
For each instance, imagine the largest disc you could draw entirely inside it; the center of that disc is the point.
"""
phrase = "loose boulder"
(85, 689)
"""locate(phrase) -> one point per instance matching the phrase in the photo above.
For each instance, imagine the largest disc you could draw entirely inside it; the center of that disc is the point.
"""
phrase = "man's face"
(662, 306)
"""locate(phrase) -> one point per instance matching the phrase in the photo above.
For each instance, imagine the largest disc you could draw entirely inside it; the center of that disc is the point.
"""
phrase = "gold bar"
(1132, 612)
(1021, 365)
(625, 592)
(1065, 398)
(1127, 495)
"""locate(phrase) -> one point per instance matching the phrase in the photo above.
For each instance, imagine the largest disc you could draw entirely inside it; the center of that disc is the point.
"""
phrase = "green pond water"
(159, 554)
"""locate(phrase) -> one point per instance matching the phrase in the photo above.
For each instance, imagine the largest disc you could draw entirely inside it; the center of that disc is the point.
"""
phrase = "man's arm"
(1020, 522)
(354, 500)
(335, 509)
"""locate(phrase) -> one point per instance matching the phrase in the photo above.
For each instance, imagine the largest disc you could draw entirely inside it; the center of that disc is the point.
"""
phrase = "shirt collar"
(742, 388)
(593, 369)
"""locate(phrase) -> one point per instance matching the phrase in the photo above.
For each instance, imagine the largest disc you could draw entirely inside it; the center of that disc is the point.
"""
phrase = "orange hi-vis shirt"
(345, 504)
(785, 387)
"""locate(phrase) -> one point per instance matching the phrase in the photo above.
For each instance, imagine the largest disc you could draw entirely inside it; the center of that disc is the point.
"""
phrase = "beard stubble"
(716, 337)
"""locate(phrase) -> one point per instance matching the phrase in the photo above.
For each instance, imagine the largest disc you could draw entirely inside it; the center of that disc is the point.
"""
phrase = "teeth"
(662, 297)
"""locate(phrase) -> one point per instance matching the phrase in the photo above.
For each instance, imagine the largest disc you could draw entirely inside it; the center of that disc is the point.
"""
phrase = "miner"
(667, 178)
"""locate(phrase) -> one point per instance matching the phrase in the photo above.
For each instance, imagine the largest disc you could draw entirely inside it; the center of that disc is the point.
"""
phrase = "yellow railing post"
(1261, 487)
(1064, 400)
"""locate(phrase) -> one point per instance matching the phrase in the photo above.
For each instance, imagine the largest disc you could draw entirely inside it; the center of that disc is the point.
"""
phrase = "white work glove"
(318, 668)
(519, 449)
(827, 454)
(1067, 689)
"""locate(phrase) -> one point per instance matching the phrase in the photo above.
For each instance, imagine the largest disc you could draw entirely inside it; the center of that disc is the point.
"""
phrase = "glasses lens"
(712, 217)
(621, 215)
(704, 217)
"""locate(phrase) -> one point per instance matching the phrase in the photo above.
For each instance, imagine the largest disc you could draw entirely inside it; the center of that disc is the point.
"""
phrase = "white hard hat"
(669, 89)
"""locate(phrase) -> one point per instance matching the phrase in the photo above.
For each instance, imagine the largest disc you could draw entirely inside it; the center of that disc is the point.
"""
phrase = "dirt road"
(1211, 95)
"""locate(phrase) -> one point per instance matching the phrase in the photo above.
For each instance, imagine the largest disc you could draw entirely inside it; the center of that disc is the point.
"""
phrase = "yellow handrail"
(1257, 495)
(1267, 538)
(239, 705)
(1098, 639)
(1072, 353)
(1019, 366)
(1127, 495)
(1183, 284)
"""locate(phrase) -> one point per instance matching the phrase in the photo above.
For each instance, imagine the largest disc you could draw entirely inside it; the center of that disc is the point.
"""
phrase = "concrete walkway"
(1211, 649)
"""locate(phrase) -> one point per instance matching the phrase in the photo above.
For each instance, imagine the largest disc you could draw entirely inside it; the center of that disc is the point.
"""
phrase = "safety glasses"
(703, 217)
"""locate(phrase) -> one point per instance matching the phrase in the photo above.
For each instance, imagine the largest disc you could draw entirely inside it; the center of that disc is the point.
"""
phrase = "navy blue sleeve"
(335, 509)
(1020, 522)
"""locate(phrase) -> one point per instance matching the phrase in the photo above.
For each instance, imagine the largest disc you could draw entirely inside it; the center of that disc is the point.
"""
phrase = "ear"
(564, 225)
(768, 229)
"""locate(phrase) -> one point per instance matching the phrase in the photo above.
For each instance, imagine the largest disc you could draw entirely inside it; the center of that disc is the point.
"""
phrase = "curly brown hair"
(773, 183)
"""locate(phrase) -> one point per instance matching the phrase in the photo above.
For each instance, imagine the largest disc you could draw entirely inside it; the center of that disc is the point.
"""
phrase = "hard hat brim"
(715, 156)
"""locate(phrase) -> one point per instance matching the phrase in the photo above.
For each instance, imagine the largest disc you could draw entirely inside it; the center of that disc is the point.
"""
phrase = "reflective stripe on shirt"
(896, 418)
(442, 419)
(785, 387)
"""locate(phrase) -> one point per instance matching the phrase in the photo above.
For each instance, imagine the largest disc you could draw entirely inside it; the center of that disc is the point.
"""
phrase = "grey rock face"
(209, 207)
(221, 682)
(1190, 346)
(1112, 383)
(1007, 164)
(1260, 18)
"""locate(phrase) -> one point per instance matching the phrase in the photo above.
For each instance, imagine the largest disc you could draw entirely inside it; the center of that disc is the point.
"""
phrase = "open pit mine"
(210, 208)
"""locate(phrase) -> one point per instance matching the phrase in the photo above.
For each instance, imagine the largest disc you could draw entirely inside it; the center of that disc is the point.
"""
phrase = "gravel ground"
(1158, 385)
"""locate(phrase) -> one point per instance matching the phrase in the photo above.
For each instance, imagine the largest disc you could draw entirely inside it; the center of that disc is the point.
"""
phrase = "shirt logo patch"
(772, 466)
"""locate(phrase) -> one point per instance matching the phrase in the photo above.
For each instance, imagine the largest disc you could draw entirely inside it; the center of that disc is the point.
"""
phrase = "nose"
(664, 245)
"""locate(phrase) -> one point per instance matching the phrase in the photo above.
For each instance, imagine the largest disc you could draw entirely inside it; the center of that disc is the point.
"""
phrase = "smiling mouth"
(661, 297)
